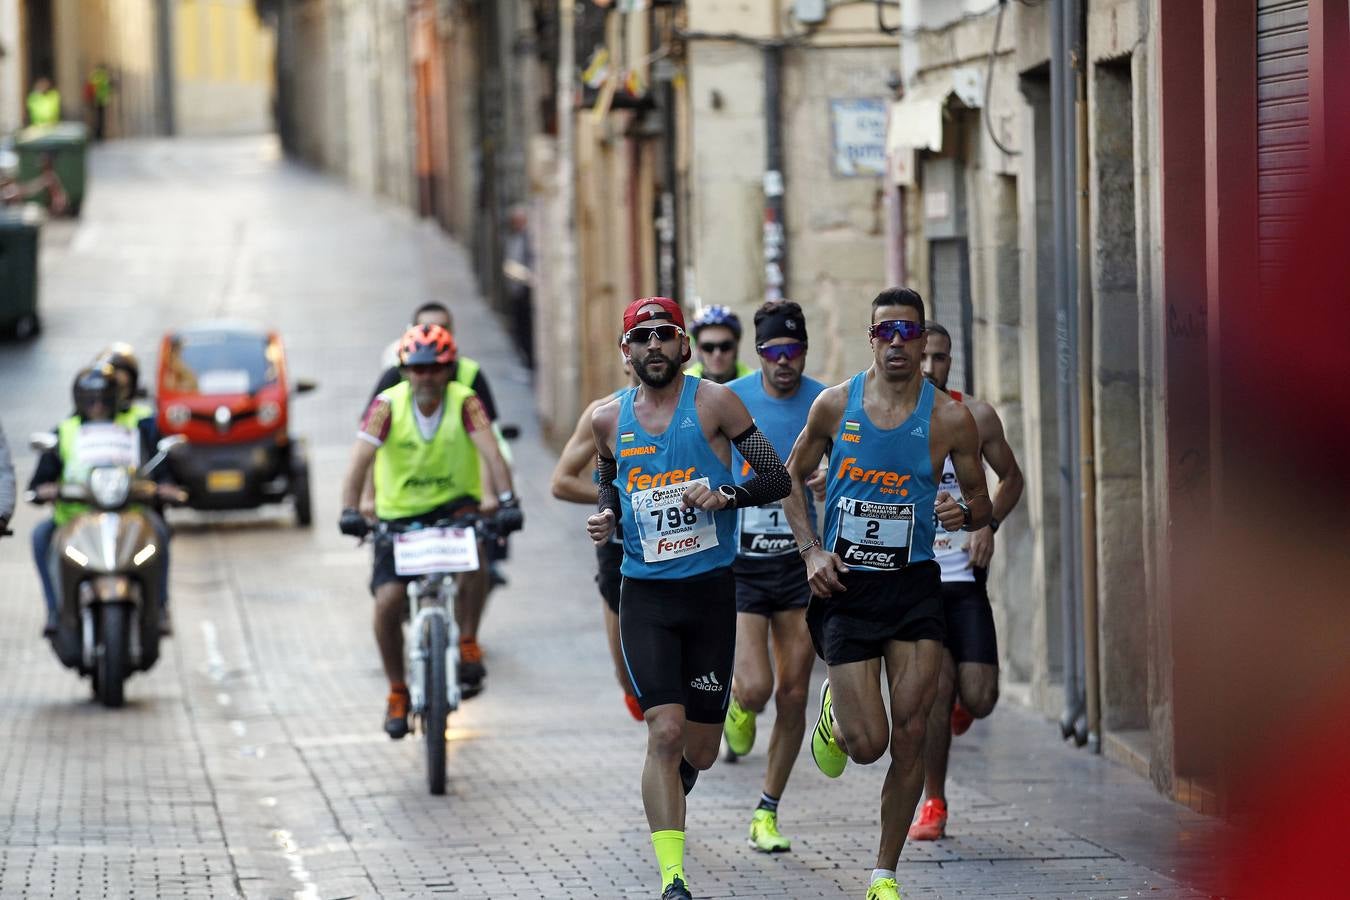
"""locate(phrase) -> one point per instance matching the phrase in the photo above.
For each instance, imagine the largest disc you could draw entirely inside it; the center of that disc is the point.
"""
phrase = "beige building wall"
(11, 69)
(120, 34)
(223, 68)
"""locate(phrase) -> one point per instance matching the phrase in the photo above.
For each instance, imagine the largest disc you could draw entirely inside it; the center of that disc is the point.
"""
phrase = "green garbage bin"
(64, 144)
(19, 270)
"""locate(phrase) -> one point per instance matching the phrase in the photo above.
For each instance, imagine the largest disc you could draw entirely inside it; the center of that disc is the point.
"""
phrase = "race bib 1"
(874, 535)
(430, 551)
(669, 530)
(765, 531)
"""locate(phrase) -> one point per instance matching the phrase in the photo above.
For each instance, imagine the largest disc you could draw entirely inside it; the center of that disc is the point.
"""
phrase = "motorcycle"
(108, 573)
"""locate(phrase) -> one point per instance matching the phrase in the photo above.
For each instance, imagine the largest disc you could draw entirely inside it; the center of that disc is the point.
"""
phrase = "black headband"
(781, 324)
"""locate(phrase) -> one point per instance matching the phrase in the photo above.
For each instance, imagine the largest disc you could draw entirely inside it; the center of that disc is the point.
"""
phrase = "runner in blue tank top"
(574, 480)
(664, 466)
(876, 594)
(771, 588)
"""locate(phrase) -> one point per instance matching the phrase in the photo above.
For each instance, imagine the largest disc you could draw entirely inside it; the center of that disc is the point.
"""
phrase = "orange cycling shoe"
(396, 713)
(634, 708)
(471, 669)
(961, 719)
(932, 824)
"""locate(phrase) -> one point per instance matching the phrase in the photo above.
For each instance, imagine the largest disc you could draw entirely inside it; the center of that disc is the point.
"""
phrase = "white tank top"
(949, 547)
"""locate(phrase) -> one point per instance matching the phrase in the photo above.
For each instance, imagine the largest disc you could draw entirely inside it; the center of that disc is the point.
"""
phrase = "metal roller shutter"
(1283, 139)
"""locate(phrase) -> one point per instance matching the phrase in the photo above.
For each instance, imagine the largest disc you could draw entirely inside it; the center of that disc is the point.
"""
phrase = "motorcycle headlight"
(109, 486)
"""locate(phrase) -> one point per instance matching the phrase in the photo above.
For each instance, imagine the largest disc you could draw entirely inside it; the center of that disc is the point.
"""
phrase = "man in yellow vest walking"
(425, 437)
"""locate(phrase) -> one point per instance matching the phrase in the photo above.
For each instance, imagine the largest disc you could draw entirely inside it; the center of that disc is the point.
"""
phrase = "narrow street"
(250, 761)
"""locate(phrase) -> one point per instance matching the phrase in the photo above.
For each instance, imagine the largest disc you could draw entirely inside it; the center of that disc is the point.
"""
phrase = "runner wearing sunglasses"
(876, 594)
(968, 683)
(717, 338)
(771, 588)
(664, 470)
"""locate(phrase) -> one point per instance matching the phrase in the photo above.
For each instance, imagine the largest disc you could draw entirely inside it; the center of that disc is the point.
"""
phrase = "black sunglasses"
(886, 331)
(719, 347)
(779, 352)
(643, 333)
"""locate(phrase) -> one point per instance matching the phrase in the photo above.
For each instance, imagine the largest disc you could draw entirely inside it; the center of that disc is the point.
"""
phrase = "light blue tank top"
(763, 530)
(661, 539)
(881, 490)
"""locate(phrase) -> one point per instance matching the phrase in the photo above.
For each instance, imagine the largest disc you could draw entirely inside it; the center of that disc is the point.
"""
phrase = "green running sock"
(669, 847)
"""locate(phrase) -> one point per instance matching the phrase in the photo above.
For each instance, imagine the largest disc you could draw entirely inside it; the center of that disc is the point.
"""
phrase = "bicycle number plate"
(435, 550)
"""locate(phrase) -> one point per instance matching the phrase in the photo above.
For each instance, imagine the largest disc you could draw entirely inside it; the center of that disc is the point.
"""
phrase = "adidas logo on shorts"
(707, 682)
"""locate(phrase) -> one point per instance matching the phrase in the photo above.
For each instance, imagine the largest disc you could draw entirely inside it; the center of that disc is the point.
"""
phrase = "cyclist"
(664, 468)
(876, 594)
(463, 371)
(717, 337)
(95, 393)
(771, 589)
(574, 481)
(424, 438)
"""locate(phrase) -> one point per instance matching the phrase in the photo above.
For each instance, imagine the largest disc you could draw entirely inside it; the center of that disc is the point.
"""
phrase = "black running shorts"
(970, 622)
(679, 642)
(767, 586)
(608, 558)
(877, 607)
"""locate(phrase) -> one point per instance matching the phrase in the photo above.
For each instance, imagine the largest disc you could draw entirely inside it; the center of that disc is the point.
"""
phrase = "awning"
(916, 119)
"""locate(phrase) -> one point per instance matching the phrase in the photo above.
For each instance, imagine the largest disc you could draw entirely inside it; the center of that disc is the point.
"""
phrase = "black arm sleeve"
(480, 387)
(606, 469)
(49, 469)
(771, 481)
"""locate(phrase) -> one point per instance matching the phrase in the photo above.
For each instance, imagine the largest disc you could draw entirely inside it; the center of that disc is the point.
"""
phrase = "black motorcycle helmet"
(95, 393)
(122, 357)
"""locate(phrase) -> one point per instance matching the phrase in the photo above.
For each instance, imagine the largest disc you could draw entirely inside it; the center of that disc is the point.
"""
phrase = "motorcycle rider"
(95, 393)
(127, 369)
(425, 437)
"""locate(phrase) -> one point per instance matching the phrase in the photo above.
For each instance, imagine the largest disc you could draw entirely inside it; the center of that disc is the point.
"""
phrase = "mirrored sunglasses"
(779, 352)
(886, 331)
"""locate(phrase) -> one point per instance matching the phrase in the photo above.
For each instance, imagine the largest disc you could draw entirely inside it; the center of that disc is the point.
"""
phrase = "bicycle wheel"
(438, 705)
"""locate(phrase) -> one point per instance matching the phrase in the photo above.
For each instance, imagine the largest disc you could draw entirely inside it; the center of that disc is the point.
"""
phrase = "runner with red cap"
(664, 466)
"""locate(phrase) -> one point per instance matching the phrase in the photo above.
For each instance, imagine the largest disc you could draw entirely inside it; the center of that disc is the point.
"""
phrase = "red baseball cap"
(635, 315)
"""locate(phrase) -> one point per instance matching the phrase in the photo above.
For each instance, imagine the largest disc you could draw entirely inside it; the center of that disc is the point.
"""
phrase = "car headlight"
(268, 413)
(109, 486)
(178, 415)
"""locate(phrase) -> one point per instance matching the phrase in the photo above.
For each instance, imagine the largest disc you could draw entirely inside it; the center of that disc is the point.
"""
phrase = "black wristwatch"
(965, 514)
(729, 492)
(993, 526)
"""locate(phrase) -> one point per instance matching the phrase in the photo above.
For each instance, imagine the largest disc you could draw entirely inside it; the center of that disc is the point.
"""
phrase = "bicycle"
(434, 554)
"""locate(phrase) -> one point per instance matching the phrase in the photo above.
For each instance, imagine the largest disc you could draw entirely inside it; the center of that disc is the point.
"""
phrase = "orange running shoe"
(961, 719)
(396, 713)
(932, 824)
(634, 708)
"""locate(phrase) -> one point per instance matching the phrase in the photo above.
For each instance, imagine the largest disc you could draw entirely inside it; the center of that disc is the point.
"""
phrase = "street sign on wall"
(858, 128)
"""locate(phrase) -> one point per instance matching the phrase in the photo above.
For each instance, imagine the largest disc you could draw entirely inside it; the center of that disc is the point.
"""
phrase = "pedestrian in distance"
(968, 682)
(876, 602)
(771, 588)
(664, 470)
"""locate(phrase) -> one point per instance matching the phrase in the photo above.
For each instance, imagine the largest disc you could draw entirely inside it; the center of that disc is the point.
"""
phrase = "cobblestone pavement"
(250, 762)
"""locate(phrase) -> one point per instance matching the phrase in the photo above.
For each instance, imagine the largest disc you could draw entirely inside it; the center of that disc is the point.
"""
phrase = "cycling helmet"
(96, 384)
(426, 345)
(717, 315)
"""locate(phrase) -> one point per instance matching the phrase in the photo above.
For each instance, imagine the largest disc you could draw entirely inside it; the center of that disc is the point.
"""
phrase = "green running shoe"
(764, 833)
(885, 889)
(739, 728)
(824, 748)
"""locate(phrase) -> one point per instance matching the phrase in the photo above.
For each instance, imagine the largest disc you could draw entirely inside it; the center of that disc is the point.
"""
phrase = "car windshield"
(220, 362)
